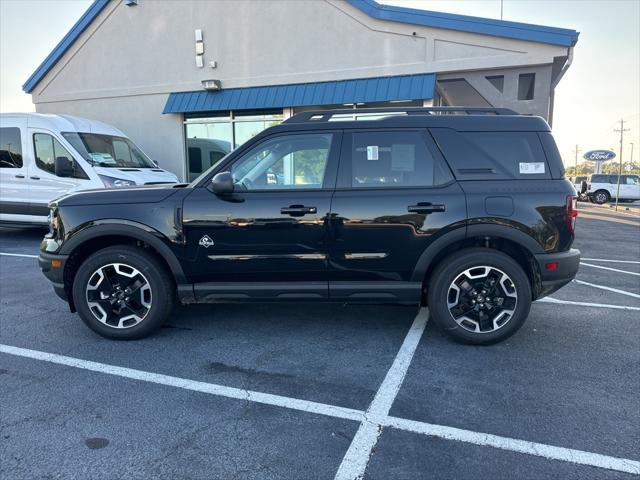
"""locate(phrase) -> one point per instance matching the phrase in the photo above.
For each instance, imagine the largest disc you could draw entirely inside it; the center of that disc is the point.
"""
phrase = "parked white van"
(45, 156)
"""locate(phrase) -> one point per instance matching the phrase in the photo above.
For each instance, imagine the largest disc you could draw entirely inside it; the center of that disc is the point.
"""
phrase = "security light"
(212, 84)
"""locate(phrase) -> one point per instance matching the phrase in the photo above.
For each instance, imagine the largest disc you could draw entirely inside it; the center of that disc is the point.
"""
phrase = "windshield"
(108, 151)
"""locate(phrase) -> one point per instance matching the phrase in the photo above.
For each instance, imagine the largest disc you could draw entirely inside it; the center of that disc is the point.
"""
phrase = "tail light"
(572, 212)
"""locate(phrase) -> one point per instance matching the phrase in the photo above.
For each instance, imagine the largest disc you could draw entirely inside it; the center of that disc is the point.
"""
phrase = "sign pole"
(621, 130)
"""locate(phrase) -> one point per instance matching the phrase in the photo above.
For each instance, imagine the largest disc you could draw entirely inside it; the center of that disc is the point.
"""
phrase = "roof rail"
(325, 115)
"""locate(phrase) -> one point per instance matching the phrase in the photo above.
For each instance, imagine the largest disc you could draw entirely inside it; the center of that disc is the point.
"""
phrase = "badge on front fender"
(206, 242)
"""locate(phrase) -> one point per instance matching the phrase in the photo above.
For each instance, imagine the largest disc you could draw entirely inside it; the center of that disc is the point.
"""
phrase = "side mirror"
(63, 167)
(222, 183)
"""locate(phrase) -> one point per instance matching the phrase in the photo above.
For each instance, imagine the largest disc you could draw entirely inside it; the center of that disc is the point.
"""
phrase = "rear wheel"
(479, 296)
(601, 196)
(123, 292)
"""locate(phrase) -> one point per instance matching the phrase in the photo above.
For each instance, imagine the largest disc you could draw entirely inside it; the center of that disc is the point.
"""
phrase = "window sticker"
(372, 152)
(103, 158)
(403, 157)
(531, 168)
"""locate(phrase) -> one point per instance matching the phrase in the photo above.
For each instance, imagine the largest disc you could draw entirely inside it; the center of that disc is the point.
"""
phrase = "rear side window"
(493, 155)
(393, 159)
(10, 148)
(601, 179)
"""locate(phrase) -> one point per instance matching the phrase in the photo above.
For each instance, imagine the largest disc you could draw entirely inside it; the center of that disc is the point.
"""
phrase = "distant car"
(603, 188)
(45, 156)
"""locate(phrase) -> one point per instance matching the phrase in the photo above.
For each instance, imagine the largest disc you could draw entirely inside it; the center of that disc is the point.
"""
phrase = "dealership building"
(190, 80)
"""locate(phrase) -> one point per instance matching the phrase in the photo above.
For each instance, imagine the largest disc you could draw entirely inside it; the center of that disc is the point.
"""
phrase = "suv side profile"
(464, 210)
(602, 188)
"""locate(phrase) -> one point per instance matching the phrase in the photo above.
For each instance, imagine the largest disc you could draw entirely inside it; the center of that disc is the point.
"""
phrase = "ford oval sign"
(599, 155)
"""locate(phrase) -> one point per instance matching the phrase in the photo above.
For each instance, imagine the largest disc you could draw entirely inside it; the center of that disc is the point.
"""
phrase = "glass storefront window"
(210, 138)
(207, 143)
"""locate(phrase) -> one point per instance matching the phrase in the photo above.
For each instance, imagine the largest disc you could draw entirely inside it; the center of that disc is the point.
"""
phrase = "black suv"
(464, 210)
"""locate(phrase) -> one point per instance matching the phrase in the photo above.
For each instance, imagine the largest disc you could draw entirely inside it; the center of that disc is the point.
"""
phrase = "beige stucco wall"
(121, 69)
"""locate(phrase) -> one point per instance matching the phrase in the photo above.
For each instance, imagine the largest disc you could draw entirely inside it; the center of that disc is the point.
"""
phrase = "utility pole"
(501, 8)
(575, 168)
(621, 130)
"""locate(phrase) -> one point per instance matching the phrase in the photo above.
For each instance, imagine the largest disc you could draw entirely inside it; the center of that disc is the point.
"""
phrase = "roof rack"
(325, 115)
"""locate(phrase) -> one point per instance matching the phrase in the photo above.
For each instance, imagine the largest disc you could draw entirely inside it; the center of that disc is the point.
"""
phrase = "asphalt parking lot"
(322, 391)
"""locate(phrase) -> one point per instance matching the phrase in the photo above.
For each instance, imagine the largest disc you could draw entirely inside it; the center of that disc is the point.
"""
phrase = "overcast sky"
(602, 85)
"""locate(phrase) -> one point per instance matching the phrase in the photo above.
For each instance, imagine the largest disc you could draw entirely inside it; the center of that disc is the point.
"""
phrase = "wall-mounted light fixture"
(212, 84)
(131, 3)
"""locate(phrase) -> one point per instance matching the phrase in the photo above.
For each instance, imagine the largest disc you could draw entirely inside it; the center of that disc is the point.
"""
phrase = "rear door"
(14, 188)
(395, 195)
(630, 187)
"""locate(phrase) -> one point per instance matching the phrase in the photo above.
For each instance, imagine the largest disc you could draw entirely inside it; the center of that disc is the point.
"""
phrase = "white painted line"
(610, 269)
(355, 461)
(586, 304)
(611, 261)
(202, 387)
(17, 255)
(609, 289)
(514, 445)
(449, 433)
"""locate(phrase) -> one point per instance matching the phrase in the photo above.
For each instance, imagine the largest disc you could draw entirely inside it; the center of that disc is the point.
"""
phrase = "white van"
(45, 156)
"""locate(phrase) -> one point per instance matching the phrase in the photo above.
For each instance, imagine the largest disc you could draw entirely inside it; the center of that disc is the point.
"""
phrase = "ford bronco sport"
(464, 210)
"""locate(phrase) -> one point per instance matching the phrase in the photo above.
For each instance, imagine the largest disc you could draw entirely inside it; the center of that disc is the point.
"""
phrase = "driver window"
(284, 162)
(47, 149)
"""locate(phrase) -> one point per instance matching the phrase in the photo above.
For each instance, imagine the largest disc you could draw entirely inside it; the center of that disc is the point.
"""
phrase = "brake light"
(572, 212)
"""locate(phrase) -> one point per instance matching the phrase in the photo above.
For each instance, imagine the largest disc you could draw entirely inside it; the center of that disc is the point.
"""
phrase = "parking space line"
(186, 384)
(17, 255)
(357, 457)
(610, 289)
(515, 445)
(586, 304)
(376, 422)
(610, 269)
(611, 261)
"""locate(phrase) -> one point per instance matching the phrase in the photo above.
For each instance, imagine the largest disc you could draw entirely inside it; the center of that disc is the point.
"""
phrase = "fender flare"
(126, 228)
(498, 231)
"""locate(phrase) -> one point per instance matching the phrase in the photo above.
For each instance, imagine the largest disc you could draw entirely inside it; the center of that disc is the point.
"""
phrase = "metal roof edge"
(486, 26)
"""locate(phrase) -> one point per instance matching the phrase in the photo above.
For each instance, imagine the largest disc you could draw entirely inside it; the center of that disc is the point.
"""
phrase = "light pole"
(631, 159)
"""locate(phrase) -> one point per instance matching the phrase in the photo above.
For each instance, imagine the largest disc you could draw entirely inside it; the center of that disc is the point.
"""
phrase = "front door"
(44, 185)
(267, 240)
(395, 195)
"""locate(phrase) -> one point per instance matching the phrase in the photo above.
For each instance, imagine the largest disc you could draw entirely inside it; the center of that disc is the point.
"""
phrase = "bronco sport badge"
(206, 241)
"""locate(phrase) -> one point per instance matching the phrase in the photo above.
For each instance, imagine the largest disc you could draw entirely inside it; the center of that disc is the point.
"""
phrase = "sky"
(601, 87)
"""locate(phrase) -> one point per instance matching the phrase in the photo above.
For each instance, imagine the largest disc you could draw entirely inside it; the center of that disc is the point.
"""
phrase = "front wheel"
(601, 196)
(123, 293)
(479, 296)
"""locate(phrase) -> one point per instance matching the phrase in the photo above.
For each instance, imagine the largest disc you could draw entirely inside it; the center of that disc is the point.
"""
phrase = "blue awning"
(365, 90)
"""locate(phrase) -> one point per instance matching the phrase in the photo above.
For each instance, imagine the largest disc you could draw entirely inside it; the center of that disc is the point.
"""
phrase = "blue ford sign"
(599, 155)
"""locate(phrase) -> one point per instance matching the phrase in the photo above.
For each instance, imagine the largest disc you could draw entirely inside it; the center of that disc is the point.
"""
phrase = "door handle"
(425, 207)
(19, 176)
(34, 178)
(297, 210)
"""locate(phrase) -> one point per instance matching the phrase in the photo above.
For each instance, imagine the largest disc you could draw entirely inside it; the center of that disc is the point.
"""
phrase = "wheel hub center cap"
(480, 299)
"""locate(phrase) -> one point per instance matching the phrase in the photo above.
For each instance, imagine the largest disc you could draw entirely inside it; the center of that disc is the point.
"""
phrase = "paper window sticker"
(372, 152)
(403, 157)
(531, 168)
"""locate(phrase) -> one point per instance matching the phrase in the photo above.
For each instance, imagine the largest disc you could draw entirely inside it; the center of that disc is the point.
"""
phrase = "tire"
(481, 319)
(601, 196)
(150, 288)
